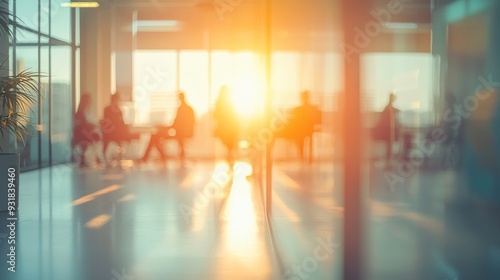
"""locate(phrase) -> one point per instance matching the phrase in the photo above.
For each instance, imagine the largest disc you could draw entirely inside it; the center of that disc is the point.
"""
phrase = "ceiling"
(469, 37)
(310, 24)
(152, 3)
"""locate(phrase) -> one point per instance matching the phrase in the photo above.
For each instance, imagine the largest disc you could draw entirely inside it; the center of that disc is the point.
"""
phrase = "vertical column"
(439, 37)
(493, 69)
(178, 70)
(4, 71)
(353, 16)
(269, 108)
(95, 72)
(124, 47)
(492, 63)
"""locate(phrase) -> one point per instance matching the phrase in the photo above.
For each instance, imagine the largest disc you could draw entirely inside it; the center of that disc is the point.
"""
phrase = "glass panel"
(220, 74)
(11, 59)
(242, 72)
(77, 28)
(294, 72)
(44, 16)
(76, 96)
(62, 115)
(155, 78)
(23, 36)
(45, 105)
(286, 78)
(44, 39)
(306, 187)
(193, 80)
(27, 59)
(11, 8)
(406, 74)
(398, 112)
(60, 21)
(27, 12)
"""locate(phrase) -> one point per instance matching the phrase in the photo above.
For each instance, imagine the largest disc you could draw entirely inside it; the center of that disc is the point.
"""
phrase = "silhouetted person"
(226, 122)
(304, 118)
(387, 128)
(113, 126)
(181, 129)
(86, 132)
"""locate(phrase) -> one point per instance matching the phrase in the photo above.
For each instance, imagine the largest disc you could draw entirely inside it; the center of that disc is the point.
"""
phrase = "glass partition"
(61, 100)
(27, 59)
(42, 44)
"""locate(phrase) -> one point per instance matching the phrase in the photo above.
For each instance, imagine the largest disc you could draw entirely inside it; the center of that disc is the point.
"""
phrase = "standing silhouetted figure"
(387, 128)
(226, 122)
(304, 118)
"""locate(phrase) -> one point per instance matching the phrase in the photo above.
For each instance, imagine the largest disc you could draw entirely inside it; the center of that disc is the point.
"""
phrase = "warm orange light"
(98, 222)
(247, 94)
(92, 196)
(240, 213)
(80, 4)
(127, 198)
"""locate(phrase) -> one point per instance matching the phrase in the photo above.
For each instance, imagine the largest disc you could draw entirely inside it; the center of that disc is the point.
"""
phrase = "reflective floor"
(144, 223)
(204, 222)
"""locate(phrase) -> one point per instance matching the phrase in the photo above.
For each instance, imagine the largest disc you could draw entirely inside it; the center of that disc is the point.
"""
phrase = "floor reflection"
(242, 241)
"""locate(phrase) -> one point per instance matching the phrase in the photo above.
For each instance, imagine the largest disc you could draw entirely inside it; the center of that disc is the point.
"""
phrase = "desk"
(143, 129)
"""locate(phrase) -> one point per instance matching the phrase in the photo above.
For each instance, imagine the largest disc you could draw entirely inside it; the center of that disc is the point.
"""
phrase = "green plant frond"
(13, 101)
(5, 13)
(5, 20)
(16, 131)
(23, 97)
(19, 130)
(18, 94)
(23, 87)
(21, 117)
(22, 128)
(20, 137)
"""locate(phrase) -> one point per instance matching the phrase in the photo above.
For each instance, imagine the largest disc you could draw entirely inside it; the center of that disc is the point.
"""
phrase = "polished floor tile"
(149, 222)
(205, 222)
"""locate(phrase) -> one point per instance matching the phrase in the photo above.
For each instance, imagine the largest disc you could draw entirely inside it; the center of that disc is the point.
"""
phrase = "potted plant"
(18, 92)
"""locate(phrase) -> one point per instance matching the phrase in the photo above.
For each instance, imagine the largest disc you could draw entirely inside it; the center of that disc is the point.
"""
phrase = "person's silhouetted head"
(392, 98)
(224, 94)
(182, 97)
(449, 99)
(115, 99)
(85, 102)
(305, 97)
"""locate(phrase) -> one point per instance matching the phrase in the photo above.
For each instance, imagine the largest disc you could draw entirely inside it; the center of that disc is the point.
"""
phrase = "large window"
(61, 104)
(27, 59)
(409, 76)
(42, 43)
(153, 93)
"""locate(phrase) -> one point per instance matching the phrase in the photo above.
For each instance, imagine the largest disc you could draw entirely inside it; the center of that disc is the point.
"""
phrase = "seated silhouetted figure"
(181, 129)
(86, 132)
(113, 126)
(302, 123)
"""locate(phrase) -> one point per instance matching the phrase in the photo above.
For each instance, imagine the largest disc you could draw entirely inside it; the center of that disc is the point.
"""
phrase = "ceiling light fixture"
(401, 25)
(158, 25)
(80, 4)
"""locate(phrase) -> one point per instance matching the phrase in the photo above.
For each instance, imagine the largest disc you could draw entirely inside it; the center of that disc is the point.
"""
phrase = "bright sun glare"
(247, 95)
